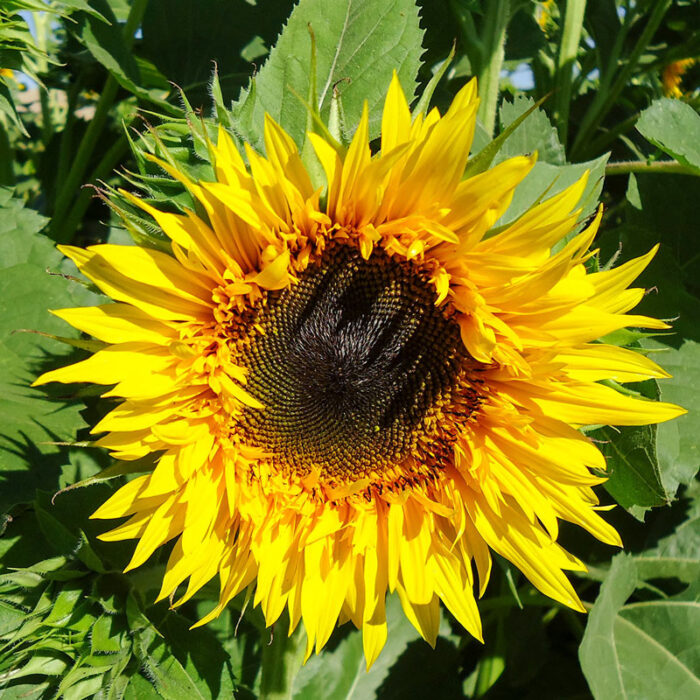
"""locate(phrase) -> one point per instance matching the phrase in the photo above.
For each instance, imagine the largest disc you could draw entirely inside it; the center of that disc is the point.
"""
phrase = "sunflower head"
(361, 385)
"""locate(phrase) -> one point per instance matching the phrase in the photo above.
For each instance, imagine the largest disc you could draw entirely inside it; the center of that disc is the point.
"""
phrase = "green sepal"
(424, 101)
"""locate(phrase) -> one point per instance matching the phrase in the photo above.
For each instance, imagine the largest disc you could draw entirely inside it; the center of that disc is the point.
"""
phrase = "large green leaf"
(28, 419)
(677, 440)
(545, 180)
(200, 655)
(91, 621)
(662, 209)
(679, 551)
(674, 127)
(104, 39)
(632, 466)
(406, 667)
(647, 647)
(166, 674)
(358, 45)
(634, 475)
(536, 133)
(646, 464)
(184, 37)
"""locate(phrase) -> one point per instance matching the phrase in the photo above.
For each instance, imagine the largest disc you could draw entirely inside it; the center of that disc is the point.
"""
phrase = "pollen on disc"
(351, 362)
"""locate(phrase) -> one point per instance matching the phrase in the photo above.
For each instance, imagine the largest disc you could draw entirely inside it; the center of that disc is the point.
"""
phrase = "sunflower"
(361, 386)
(672, 76)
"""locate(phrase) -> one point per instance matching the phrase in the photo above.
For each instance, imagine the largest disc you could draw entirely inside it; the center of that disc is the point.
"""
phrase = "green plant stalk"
(568, 52)
(607, 72)
(489, 73)
(543, 71)
(77, 171)
(7, 176)
(606, 98)
(42, 24)
(281, 661)
(640, 166)
(473, 47)
(107, 163)
(61, 232)
(66, 145)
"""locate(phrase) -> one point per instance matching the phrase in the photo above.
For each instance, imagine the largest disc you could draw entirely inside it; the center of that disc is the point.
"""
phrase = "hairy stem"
(640, 166)
(568, 52)
(489, 73)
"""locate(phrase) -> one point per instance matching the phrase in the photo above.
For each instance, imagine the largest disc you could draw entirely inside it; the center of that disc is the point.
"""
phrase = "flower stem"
(606, 98)
(281, 661)
(640, 166)
(489, 74)
(568, 52)
(42, 25)
(106, 164)
(68, 191)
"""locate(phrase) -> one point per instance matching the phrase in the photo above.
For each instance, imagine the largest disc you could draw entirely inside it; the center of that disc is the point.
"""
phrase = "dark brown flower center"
(349, 364)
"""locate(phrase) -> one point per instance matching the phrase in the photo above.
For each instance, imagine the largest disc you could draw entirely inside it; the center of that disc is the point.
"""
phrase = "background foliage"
(87, 86)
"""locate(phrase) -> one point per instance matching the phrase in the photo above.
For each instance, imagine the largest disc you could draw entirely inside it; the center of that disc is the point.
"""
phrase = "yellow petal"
(118, 323)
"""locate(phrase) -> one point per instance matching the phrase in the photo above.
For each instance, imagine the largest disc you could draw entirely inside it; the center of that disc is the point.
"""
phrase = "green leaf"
(184, 38)
(662, 208)
(105, 42)
(103, 37)
(535, 133)
(603, 23)
(677, 440)
(63, 606)
(165, 672)
(674, 127)
(426, 97)
(634, 476)
(358, 42)
(40, 665)
(7, 107)
(484, 157)
(30, 421)
(546, 180)
(680, 551)
(646, 464)
(525, 38)
(101, 639)
(407, 666)
(68, 6)
(113, 471)
(645, 648)
(65, 542)
(201, 655)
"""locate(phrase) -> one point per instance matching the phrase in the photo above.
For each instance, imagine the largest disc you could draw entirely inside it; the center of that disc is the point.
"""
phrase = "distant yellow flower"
(543, 13)
(364, 387)
(672, 77)
(10, 75)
